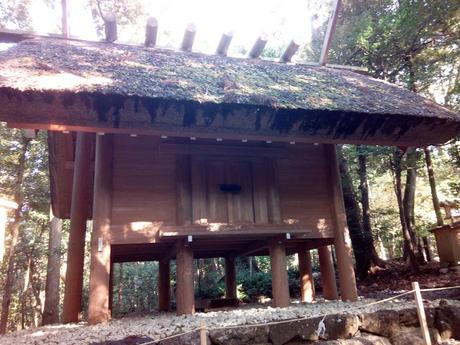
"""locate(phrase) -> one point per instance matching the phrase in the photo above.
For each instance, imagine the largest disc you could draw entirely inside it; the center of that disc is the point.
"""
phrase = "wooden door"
(240, 204)
(223, 190)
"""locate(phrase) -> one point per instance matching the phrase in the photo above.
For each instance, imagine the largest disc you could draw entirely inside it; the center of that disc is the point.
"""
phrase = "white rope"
(153, 342)
(440, 289)
(320, 331)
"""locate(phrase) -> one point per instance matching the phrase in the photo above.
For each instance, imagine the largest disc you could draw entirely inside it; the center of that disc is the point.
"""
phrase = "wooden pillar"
(78, 215)
(307, 283)
(164, 285)
(230, 277)
(111, 286)
(326, 267)
(185, 299)
(343, 249)
(280, 284)
(99, 284)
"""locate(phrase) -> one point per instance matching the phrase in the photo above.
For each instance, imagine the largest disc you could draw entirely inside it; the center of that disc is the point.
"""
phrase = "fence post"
(421, 313)
(203, 335)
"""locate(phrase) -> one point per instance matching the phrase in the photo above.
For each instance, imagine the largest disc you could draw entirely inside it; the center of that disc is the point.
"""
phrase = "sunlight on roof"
(57, 81)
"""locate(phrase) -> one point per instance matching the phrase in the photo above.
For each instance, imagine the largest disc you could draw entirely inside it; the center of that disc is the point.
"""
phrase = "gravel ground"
(160, 325)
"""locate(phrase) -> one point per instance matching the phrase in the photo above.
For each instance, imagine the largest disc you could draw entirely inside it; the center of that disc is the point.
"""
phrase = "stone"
(255, 335)
(341, 326)
(409, 317)
(413, 336)
(407, 339)
(455, 268)
(192, 338)
(444, 270)
(130, 340)
(448, 321)
(282, 333)
(382, 322)
(364, 339)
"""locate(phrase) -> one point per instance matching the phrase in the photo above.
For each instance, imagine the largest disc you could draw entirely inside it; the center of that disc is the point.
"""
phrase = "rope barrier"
(443, 288)
(321, 326)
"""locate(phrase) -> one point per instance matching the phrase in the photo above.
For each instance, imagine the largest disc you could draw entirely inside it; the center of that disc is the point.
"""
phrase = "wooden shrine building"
(177, 155)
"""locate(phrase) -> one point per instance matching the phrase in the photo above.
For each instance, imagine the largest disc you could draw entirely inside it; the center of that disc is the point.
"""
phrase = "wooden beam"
(78, 216)
(258, 46)
(98, 310)
(224, 43)
(343, 247)
(248, 230)
(164, 285)
(110, 27)
(151, 32)
(280, 286)
(291, 49)
(307, 283)
(230, 277)
(185, 300)
(326, 267)
(329, 32)
(189, 37)
(252, 248)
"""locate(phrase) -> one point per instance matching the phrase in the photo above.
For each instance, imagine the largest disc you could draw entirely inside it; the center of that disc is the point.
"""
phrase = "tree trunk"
(353, 212)
(412, 157)
(15, 228)
(396, 169)
(434, 194)
(51, 310)
(367, 228)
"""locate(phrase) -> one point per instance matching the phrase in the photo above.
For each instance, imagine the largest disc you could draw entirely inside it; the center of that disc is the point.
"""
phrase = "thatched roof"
(288, 94)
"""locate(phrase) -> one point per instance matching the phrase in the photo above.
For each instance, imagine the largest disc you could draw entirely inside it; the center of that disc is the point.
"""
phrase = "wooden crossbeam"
(224, 43)
(151, 31)
(251, 248)
(189, 37)
(291, 49)
(258, 46)
(330, 32)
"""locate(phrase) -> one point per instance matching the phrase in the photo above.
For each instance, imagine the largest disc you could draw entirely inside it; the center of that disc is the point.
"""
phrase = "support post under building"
(280, 284)
(78, 215)
(185, 299)
(326, 267)
(307, 283)
(230, 277)
(164, 285)
(99, 284)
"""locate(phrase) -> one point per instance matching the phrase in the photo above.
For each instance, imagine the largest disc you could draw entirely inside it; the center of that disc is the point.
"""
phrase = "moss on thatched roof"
(58, 65)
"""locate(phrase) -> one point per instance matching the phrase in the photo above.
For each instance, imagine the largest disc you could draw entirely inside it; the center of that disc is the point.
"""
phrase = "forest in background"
(388, 191)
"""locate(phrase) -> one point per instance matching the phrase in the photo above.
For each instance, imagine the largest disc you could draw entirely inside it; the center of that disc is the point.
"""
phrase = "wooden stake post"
(421, 313)
(203, 335)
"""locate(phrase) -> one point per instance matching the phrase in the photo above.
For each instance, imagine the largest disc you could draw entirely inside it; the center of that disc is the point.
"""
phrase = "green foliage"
(210, 281)
(256, 285)
(135, 288)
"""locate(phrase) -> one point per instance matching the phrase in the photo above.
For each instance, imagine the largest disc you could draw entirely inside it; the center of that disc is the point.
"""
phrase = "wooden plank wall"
(143, 184)
(303, 189)
(150, 185)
